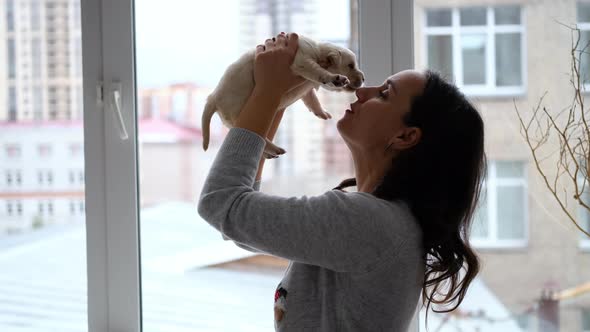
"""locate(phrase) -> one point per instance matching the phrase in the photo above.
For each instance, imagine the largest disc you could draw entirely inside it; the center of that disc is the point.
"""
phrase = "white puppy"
(322, 64)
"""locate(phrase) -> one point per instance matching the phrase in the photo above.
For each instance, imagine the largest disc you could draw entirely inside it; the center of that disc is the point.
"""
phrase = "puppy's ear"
(334, 58)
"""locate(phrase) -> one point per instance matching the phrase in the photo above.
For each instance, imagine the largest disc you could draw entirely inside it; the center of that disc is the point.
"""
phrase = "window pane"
(509, 169)
(43, 282)
(9, 15)
(510, 212)
(584, 48)
(583, 12)
(586, 320)
(474, 58)
(11, 58)
(440, 54)
(438, 17)
(191, 278)
(481, 226)
(473, 16)
(508, 59)
(507, 14)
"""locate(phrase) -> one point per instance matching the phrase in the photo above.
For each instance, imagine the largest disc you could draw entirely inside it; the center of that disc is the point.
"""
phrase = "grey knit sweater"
(355, 260)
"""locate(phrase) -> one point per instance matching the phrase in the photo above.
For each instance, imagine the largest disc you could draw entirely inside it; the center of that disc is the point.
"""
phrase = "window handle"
(116, 107)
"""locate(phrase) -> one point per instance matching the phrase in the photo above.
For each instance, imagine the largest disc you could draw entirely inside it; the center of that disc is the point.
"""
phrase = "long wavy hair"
(440, 178)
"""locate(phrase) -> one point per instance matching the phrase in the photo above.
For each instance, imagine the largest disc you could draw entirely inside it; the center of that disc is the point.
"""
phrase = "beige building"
(507, 53)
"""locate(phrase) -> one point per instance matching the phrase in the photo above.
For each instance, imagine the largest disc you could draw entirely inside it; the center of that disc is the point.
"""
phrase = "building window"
(11, 53)
(50, 208)
(501, 217)
(40, 208)
(81, 177)
(72, 177)
(10, 15)
(583, 18)
(585, 320)
(35, 15)
(44, 150)
(81, 207)
(37, 103)
(12, 104)
(8, 178)
(9, 208)
(49, 178)
(583, 213)
(18, 178)
(481, 48)
(36, 57)
(19, 208)
(12, 151)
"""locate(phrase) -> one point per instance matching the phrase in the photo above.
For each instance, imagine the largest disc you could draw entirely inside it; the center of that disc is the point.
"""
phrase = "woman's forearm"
(271, 135)
(258, 112)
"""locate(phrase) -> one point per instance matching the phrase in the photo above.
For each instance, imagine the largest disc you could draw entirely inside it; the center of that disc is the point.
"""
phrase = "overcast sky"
(175, 39)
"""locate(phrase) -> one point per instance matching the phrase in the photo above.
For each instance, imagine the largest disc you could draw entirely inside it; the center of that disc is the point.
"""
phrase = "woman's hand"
(272, 65)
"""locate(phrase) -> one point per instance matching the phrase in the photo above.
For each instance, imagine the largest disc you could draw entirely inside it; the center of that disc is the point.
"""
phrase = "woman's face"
(376, 116)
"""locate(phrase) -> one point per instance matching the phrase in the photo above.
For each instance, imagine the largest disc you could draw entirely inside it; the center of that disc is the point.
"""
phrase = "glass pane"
(193, 280)
(583, 12)
(43, 283)
(438, 17)
(584, 56)
(473, 47)
(480, 229)
(473, 16)
(440, 54)
(510, 212)
(507, 15)
(508, 59)
(509, 169)
(585, 320)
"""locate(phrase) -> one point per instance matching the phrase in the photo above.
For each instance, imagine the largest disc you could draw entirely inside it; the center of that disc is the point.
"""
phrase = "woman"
(359, 260)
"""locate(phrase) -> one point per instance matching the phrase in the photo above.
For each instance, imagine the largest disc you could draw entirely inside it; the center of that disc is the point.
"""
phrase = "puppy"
(321, 64)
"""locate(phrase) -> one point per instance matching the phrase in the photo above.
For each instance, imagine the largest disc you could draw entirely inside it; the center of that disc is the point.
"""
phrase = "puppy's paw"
(339, 81)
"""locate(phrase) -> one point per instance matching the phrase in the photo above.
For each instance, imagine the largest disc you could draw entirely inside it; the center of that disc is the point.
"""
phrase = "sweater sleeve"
(341, 231)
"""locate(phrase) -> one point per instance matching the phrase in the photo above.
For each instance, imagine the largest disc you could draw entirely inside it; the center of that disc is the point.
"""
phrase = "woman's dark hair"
(440, 178)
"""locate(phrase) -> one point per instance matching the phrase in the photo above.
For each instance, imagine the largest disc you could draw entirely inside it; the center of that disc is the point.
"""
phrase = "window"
(37, 103)
(44, 150)
(36, 57)
(501, 218)
(585, 320)
(10, 15)
(71, 177)
(35, 14)
(481, 48)
(583, 19)
(12, 109)
(9, 208)
(11, 53)
(12, 151)
(8, 178)
(18, 178)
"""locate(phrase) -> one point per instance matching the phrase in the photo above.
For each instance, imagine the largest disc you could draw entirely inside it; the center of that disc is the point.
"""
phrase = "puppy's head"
(339, 60)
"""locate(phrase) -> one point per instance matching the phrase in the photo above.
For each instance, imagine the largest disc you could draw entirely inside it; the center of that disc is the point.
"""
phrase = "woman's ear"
(406, 138)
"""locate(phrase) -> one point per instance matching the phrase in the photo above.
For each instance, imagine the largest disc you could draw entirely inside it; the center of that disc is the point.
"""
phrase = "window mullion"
(457, 54)
(491, 50)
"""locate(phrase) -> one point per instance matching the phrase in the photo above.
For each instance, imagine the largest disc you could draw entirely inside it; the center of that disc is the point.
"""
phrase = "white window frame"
(112, 210)
(490, 29)
(492, 182)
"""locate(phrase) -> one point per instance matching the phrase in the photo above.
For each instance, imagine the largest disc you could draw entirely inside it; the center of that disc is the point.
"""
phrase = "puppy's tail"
(210, 109)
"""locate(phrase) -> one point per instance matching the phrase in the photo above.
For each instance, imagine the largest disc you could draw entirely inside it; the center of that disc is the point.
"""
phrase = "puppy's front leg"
(312, 103)
(311, 70)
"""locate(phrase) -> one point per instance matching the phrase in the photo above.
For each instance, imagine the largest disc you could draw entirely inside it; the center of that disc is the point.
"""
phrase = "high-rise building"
(42, 70)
